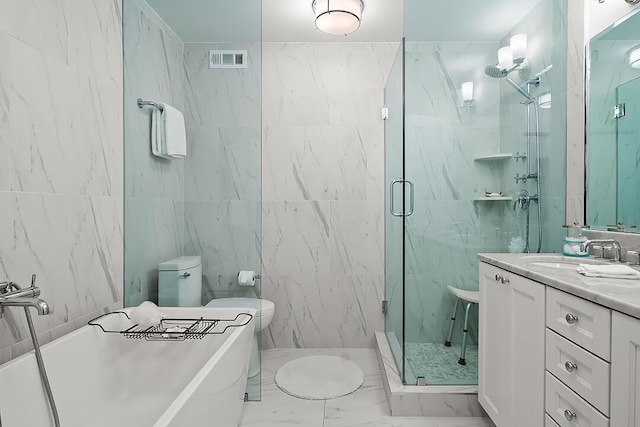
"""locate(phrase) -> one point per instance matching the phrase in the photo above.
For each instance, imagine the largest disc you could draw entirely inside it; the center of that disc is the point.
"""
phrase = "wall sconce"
(518, 44)
(505, 58)
(544, 101)
(634, 58)
(467, 94)
(514, 55)
(338, 17)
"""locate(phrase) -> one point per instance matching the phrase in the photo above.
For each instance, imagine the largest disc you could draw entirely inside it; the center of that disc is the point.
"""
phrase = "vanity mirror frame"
(604, 195)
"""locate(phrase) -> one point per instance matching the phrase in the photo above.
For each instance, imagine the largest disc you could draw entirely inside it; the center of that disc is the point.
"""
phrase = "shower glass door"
(445, 153)
(394, 200)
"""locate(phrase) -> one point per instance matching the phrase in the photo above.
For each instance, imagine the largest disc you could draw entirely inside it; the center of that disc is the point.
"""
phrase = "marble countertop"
(622, 295)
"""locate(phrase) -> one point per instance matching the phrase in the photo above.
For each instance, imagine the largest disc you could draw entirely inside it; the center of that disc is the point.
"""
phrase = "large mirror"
(613, 131)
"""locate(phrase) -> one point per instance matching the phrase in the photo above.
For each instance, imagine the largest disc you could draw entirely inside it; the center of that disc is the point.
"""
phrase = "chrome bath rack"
(172, 329)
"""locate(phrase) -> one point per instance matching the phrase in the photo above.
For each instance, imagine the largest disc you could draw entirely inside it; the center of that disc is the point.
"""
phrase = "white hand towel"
(158, 134)
(608, 271)
(175, 135)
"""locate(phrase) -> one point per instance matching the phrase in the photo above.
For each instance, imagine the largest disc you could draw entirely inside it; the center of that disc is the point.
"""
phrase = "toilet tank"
(180, 282)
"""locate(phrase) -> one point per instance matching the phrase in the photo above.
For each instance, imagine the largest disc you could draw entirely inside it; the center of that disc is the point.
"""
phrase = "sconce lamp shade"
(518, 44)
(467, 92)
(338, 17)
(544, 101)
(634, 58)
(505, 57)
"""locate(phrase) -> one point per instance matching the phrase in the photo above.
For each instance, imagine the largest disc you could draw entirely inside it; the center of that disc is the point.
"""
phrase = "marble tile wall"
(154, 187)
(442, 140)
(223, 170)
(575, 113)
(61, 181)
(546, 27)
(323, 191)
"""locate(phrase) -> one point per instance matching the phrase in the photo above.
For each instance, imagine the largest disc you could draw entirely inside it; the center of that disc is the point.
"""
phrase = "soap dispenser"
(575, 236)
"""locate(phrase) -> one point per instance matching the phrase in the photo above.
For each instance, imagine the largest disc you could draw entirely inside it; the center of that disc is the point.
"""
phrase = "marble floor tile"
(365, 407)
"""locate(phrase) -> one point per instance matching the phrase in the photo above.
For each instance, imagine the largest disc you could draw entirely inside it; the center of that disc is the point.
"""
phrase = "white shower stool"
(470, 298)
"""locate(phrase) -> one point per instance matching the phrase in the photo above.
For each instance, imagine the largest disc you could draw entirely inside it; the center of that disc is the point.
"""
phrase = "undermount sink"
(561, 265)
(559, 261)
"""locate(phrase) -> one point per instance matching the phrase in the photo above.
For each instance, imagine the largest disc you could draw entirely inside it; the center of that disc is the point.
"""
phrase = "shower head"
(495, 72)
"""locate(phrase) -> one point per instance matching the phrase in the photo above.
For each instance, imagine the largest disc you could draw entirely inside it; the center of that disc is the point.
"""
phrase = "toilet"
(180, 285)
(265, 310)
(180, 282)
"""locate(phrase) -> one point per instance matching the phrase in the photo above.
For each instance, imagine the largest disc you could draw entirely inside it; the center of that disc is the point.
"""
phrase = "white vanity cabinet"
(511, 348)
(625, 371)
(550, 358)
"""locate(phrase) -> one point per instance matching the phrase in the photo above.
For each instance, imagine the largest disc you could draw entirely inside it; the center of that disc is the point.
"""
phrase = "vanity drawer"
(567, 408)
(583, 372)
(548, 421)
(583, 322)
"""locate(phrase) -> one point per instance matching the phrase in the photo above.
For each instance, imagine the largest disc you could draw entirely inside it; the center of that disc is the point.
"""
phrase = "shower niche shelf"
(494, 157)
(492, 199)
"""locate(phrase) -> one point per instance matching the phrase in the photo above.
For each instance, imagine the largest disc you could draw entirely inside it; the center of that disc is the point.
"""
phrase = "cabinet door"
(527, 356)
(494, 346)
(625, 371)
(511, 348)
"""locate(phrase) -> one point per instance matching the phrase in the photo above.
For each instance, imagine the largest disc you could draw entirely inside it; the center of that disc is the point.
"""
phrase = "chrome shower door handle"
(392, 195)
(412, 200)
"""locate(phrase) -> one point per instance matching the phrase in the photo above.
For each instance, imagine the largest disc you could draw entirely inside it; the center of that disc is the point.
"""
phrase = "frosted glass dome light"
(338, 17)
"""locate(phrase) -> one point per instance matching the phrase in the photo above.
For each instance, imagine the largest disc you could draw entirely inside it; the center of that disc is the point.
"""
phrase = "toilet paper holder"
(247, 278)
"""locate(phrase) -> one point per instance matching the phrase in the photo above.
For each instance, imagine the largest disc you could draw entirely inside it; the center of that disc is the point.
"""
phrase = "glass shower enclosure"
(454, 166)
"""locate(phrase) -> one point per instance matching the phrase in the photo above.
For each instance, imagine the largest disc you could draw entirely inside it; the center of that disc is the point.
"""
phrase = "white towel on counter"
(608, 271)
(168, 134)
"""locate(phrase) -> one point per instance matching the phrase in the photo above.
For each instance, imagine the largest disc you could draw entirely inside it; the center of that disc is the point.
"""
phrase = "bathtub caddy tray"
(119, 322)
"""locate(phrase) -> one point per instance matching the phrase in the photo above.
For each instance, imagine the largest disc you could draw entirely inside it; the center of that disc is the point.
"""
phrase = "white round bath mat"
(319, 377)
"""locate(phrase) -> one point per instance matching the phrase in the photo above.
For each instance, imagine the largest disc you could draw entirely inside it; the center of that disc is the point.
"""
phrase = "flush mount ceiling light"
(634, 58)
(338, 17)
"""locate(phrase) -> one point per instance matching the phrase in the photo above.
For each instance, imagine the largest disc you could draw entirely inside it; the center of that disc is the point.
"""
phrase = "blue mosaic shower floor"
(439, 364)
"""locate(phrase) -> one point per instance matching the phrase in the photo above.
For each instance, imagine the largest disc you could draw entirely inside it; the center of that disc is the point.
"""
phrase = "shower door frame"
(395, 178)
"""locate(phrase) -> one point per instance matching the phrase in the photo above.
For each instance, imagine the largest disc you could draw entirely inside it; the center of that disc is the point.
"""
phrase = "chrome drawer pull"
(498, 277)
(185, 275)
(570, 416)
(570, 366)
(571, 318)
(504, 280)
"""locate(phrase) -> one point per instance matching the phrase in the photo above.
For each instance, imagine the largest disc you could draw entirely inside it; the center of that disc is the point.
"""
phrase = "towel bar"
(142, 103)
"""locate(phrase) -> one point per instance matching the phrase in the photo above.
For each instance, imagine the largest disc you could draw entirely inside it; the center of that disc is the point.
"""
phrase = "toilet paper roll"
(247, 278)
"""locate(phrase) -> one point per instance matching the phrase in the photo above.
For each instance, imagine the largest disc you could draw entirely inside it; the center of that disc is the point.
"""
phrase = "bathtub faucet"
(12, 295)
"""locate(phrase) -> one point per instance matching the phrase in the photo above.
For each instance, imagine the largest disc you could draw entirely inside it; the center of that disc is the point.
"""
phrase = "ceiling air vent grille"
(227, 59)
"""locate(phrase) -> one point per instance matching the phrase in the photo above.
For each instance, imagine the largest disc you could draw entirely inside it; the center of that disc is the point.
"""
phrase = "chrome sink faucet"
(12, 295)
(617, 253)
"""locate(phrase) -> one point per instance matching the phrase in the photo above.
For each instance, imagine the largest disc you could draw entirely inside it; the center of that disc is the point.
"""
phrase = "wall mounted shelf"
(491, 199)
(494, 157)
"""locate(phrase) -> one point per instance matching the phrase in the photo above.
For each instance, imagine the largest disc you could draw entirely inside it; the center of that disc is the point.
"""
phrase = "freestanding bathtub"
(103, 379)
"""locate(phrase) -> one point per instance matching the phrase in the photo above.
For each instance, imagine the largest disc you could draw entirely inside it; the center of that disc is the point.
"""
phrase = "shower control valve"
(519, 156)
(522, 178)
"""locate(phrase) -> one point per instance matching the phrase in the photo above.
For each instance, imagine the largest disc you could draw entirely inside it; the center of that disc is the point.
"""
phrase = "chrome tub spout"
(37, 303)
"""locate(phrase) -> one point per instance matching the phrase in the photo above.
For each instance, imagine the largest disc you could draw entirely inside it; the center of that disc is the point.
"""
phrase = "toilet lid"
(262, 306)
